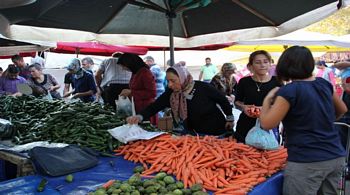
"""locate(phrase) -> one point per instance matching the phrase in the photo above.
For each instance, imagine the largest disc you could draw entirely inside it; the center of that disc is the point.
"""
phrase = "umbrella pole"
(164, 58)
(77, 51)
(171, 37)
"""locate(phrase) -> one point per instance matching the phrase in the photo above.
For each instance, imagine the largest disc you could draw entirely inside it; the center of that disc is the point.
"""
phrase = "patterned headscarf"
(178, 98)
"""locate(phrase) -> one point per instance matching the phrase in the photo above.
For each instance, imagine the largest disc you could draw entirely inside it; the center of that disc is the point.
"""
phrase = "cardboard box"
(165, 123)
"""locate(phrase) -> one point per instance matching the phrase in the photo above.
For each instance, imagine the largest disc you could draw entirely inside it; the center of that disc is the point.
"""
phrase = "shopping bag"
(48, 96)
(62, 161)
(7, 130)
(124, 106)
(260, 138)
(128, 133)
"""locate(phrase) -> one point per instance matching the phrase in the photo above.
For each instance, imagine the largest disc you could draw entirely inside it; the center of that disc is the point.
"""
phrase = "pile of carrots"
(221, 165)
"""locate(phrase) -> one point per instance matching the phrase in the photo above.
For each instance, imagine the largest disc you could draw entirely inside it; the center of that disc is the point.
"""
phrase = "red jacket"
(143, 89)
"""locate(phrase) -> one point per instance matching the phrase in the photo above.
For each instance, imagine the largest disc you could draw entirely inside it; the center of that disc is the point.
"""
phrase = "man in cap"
(83, 82)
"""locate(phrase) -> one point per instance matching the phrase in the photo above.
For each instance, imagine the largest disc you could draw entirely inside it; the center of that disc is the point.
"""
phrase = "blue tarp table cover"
(108, 168)
(25, 185)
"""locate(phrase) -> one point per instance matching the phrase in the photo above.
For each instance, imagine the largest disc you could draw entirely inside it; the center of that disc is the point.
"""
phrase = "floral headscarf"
(178, 99)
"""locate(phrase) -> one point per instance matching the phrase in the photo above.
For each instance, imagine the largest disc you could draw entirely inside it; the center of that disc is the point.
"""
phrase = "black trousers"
(110, 93)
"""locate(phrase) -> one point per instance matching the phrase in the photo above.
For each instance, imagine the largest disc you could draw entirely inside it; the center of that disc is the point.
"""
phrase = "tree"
(336, 24)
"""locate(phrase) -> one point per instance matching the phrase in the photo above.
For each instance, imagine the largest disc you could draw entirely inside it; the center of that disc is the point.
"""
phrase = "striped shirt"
(113, 73)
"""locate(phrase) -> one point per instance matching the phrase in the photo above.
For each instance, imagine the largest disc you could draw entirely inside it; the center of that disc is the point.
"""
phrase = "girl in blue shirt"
(307, 107)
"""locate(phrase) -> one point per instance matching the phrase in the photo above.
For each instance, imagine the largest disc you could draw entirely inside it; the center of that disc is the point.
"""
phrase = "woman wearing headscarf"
(193, 105)
(41, 83)
(142, 83)
(225, 82)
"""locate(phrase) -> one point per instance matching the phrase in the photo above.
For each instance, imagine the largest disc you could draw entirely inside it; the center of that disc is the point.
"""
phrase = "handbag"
(62, 161)
(260, 138)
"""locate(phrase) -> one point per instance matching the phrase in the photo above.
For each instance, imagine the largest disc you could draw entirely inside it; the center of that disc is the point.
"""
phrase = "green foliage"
(336, 24)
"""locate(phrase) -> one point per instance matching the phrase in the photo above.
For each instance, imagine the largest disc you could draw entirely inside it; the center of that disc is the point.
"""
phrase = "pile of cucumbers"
(80, 123)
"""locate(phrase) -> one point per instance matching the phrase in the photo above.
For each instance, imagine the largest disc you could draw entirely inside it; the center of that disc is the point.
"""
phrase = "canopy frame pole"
(251, 10)
(164, 59)
(171, 15)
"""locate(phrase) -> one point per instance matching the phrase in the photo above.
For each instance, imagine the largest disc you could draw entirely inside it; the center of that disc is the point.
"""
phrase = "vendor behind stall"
(8, 82)
(194, 105)
(41, 83)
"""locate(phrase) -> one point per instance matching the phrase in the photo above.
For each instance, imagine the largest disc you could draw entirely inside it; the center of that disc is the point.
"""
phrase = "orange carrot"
(108, 183)
(208, 160)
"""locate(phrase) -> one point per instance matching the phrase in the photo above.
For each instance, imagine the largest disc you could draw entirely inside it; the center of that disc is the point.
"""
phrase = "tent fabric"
(95, 48)
(316, 42)
(108, 168)
(10, 47)
(117, 22)
(26, 54)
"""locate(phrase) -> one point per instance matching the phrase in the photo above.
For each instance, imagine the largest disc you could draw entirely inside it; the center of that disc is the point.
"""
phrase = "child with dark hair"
(307, 107)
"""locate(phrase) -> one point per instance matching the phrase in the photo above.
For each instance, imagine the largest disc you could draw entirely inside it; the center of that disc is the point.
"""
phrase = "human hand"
(52, 88)
(17, 94)
(247, 110)
(125, 92)
(231, 98)
(77, 95)
(229, 125)
(133, 120)
(255, 111)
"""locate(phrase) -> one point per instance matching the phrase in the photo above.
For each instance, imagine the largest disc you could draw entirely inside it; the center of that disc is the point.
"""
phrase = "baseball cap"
(74, 64)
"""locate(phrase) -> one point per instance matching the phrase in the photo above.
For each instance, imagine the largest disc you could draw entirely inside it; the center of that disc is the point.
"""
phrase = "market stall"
(108, 168)
(39, 120)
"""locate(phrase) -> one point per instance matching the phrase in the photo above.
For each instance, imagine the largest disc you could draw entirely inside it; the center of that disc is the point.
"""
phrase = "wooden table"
(24, 165)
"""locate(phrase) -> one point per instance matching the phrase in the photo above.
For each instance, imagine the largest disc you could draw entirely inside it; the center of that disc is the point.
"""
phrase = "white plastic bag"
(48, 96)
(128, 133)
(124, 106)
(6, 129)
(260, 138)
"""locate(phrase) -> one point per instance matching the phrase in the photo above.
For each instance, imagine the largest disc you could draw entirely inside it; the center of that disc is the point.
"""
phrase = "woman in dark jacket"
(194, 105)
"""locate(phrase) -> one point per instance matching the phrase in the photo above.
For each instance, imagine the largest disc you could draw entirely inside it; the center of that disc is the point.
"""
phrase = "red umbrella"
(203, 47)
(95, 48)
